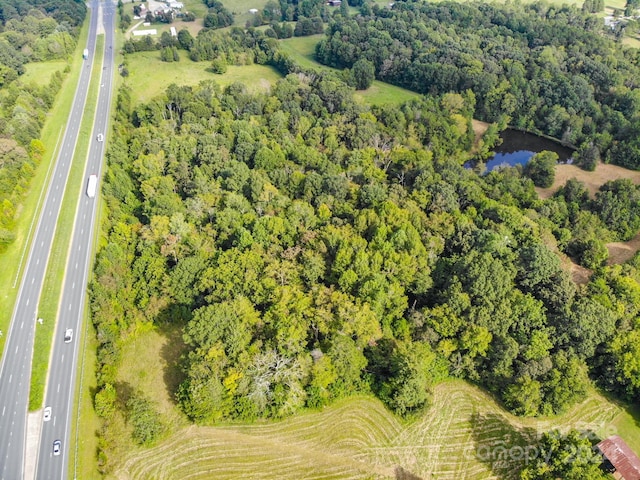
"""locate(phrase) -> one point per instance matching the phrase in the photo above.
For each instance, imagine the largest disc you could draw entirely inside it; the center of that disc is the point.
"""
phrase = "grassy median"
(52, 288)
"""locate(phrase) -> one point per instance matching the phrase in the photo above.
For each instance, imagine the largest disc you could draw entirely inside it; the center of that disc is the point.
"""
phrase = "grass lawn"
(40, 73)
(51, 289)
(461, 436)
(149, 77)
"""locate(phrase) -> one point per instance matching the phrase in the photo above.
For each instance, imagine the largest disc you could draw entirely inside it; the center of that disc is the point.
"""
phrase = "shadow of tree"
(172, 352)
(402, 474)
(500, 446)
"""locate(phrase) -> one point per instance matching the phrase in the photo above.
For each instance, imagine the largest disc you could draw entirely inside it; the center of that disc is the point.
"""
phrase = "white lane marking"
(76, 265)
(38, 261)
(69, 306)
(33, 280)
(73, 285)
(27, 302)
(3, 409)
(10, 377)
(58, 388)
(62, 359)
(16, 348)
(21, 325)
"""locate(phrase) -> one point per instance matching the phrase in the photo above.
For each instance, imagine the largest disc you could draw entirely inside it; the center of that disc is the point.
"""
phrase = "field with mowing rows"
(463, 435)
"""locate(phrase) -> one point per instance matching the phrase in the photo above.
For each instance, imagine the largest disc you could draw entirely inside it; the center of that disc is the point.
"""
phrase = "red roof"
(626, 463)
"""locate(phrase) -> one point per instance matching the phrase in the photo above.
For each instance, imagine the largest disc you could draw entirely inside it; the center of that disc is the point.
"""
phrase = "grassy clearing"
(459, 437)
(592, 180)
(240, 9)
(50, 297)
(302, 50)
(149, 77)
(161, 347)
(12, 259)
(40, 73)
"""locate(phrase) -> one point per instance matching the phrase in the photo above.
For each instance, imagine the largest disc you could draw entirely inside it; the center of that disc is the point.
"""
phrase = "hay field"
(464, 435)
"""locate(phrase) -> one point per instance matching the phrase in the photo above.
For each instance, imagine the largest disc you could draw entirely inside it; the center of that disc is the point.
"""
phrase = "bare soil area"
(592, 180)
(620, 252)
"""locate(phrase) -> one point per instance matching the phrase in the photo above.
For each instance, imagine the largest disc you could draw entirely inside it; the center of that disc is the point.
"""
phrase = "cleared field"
(40, 73)
(592, 180)
(463, 435)
(619, 252)
(149, 76)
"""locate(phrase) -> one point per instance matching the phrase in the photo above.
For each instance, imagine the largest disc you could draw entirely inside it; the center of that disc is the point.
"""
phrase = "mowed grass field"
(463, 435)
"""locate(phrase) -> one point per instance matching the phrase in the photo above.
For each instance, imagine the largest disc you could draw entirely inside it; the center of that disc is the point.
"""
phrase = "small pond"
(518, 147)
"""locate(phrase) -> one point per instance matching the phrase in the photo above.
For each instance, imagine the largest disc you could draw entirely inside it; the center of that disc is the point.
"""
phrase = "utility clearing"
(464, 434)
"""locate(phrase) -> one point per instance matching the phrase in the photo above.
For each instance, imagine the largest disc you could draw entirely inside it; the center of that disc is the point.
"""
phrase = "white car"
(68, 335)
(47, 414)
(57, 447)
(100, 137)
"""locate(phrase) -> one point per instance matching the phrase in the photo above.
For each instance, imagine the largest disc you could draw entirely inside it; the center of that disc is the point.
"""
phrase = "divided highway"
(64, 360)
(15, 370)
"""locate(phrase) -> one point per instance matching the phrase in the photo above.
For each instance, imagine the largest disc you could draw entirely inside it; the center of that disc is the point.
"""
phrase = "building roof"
(626, 463)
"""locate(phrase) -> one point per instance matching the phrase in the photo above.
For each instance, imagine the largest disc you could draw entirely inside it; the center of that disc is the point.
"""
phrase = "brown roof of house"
(626, 463)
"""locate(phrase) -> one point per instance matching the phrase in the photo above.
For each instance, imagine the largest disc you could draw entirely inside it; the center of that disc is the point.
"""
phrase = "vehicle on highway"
(100, 137)
(57, 447)
(91, 186)
(68, 335)
(47, 414)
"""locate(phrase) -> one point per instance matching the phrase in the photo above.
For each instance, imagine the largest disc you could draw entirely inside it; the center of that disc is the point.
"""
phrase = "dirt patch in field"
(620, 252)
(592, 180)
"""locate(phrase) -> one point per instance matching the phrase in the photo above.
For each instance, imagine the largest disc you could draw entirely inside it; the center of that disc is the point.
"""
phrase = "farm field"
(463, 435)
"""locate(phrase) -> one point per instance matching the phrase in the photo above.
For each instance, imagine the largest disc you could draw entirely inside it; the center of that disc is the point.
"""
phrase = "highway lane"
(64, 360)
(15, 371)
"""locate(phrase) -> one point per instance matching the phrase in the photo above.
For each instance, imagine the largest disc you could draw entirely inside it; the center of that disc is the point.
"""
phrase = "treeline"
(312, 247)
(31, 31)
(540, 67)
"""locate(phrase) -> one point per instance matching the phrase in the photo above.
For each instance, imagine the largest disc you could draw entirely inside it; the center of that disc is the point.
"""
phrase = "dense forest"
(312, 248)
(30, 31)
(538, 67)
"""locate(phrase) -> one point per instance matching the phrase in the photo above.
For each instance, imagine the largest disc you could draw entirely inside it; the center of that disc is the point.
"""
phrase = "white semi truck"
(92, 185)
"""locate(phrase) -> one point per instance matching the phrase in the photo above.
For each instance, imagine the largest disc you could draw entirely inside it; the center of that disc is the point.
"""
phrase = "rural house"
(624, 462)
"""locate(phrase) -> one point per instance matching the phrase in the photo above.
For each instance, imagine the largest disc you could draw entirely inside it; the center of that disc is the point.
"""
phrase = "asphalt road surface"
(64, 360)
(15, 370)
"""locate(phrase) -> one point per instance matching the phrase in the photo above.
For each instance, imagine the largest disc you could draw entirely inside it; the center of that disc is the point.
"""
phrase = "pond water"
(518, 147)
